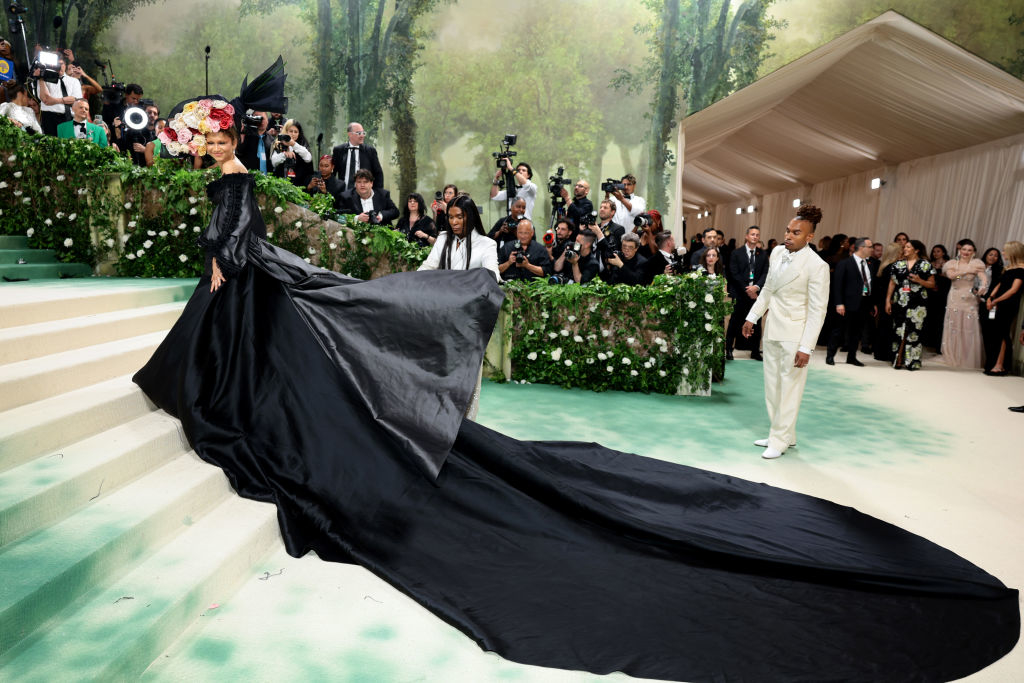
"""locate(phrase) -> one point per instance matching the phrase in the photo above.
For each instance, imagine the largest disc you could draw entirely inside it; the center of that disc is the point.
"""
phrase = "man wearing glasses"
(580, 206)
(354, 155)
(627, 205)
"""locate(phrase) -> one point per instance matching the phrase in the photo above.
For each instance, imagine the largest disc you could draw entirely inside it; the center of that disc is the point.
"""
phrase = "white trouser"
(783, 390)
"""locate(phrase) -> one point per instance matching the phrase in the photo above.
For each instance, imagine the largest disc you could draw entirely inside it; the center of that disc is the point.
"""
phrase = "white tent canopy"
(943, 129)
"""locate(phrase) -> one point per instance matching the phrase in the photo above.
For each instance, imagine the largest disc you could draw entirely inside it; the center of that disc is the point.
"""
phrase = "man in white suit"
(795, 295)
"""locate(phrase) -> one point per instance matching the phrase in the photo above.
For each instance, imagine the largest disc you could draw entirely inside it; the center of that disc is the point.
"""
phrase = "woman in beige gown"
(961, 333)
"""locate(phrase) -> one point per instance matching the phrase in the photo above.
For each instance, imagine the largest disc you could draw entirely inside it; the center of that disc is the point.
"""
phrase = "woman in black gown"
(341, 402)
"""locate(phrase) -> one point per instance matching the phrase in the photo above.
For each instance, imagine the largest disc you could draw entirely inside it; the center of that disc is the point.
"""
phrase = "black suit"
(740, 274)
(610, 242)
(849, 291)
(248, 151)
(654, 266)
(349, 202)
(537, 255)
(367, 159)
(579, 209)
(631, 272)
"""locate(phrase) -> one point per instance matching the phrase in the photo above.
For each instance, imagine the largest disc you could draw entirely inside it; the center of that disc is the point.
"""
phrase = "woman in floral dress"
(906, 302)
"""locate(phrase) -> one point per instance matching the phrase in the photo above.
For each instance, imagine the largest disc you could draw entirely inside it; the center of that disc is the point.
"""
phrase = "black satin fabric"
(328, 397)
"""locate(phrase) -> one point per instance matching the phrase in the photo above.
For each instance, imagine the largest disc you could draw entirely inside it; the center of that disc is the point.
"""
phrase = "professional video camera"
(612, 185)
(505, 153)
(555, 185)
(251, 122)
(47, 65)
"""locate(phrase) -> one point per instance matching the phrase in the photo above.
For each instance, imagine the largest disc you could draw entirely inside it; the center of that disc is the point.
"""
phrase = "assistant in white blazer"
(795, 296)
(453, 250)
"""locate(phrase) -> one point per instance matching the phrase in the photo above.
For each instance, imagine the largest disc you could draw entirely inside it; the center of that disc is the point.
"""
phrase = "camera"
(572, 251)
(519, 256)
(510, 225)
(678, 261)
(500, 156)
(558, 279)
(549, 238)
(588, 220)
(612, 185)
(643, 220)
(251, 122)
(438, 196)
(48, 64)
(556, 183)
(284, 138)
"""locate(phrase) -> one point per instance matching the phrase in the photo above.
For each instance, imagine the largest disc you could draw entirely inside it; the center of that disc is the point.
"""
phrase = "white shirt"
(74, 88)
(23, 115)
(527, 193)
(624, 216)
(300, 151)
(485, 254)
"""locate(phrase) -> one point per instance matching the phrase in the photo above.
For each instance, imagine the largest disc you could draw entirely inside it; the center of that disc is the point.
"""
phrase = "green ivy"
(601, 337)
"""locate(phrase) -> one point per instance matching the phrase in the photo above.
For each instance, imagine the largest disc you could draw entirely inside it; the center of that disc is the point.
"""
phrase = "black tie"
(64, 93)
(864, 276)
(81, 129)
(353, 152)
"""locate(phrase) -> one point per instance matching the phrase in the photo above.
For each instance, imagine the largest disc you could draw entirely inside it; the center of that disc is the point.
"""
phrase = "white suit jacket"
(485, 255)
(796, 299)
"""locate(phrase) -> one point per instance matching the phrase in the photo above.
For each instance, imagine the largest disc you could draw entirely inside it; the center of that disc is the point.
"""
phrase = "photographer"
(627, 205)
(578, 263)
(504, 231)
(579, 208)
(555, 242)
(627, 267)
(325, 181)
(649, 226)
(440, 206)
(525, 189)
(523, 259)
(55, 99)
(132, 97)
(254, 146)
(367, 204)
(609, 233)
(291, 158)
(665, 262)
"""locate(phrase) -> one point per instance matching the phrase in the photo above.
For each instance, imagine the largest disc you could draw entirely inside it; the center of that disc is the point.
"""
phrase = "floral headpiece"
(186, 132)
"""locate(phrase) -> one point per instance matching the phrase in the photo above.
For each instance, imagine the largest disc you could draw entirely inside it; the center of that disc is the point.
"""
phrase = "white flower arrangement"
(193, 211)
(691, 304)
(556, 354)
(68, 242)
(663, 311)
(174, 233)
(17, 174)
(553, 335)
(571, 318)
(196, 228)
(633, 373)
(662, 373)
(18, 193)
(332, 246)
(609, 368)
(147, 244)
(630, 340)
(707, 327)
(312, 251)
(564, 333)
(26, 200)
(278, 209)
(130, 257)
(3, 184)
(709, 299)
(192, 200)
(626, 361)
(30, 232)
(532, 355)
(46, 189)
(578, 339)
(140, 253)
(72, 216)
(151, 233)
(60, 178)
(298, 224)
(182, 258)
(127, 205)
(12, 158)
(568, 363)
(602, 356)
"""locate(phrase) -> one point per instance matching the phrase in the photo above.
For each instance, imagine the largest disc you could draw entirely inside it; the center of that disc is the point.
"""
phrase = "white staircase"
(114, 536)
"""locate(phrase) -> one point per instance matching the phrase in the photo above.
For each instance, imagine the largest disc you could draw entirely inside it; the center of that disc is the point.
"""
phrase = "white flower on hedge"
(3, 184)
(602, 356)
(686, 371)
(568, 363)
(162, 233)
(312, 250)
(605, 333)
(307, 260)
(611, 353)
(125, 238)
(532, 355)
(707, 326)
(127, 205)
(130, 257)
(18, 193)
(109, 242)
(182, 226)
(68, 242)
(626, 361)
(591, 336)
(338, 234)
(592, 307)
(590, 361)
(630, 340)
(298, 224)
(544, 314)
(556, 354)
(30, 232)
(196, 229)
(365, 240)
(633, 373)
(182, 258)
(72, 216)
(609, 368)
(691, 304)
(147, 244)
(531, 331)
(46, 189)
(17, 174)
(174, 233)
(13, 157)
(552, 335)
(82, 190)
(140, 253)
(278, 209)
(709, 299)
(564, 333)
(662, 373)
(571, 318)
(663, 311)
(707, 316)
(26, 200)
(192, 200)
(332, 245)
(132, 224)
(686, 323)
(648, 363)
(578, 339)
(193, 211)
(151, 233)
(60, 178)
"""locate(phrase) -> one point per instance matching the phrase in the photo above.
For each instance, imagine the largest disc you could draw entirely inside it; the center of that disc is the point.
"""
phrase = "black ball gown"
(341, 402)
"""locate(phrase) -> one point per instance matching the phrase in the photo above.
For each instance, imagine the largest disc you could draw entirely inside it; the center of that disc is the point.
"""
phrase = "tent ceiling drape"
(887, 92)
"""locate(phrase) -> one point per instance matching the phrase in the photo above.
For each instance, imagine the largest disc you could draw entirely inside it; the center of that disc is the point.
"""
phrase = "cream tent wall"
(941, 127)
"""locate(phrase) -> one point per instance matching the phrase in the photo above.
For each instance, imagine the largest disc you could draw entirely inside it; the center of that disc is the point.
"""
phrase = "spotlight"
(750, 209)
(739, 211)
(796, 203)
(876, 183)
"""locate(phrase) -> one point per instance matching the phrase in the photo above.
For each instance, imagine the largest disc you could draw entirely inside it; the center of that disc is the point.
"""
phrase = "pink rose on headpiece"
(184, 135)
(223, 119)
(205, 103)
(167, 135)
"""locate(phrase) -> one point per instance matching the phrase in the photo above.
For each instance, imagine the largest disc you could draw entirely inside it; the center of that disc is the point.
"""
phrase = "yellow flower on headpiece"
(190, 106)
(204, 125)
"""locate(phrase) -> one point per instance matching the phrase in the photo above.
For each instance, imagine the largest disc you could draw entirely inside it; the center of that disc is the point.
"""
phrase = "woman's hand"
(990, 304)
(888, 308)
(218, 277)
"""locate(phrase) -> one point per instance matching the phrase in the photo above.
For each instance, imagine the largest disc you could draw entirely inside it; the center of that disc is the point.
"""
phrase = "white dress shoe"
(763, 443)
(771, 454)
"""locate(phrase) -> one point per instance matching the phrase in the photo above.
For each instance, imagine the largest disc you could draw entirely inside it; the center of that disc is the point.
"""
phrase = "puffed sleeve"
(235, 215)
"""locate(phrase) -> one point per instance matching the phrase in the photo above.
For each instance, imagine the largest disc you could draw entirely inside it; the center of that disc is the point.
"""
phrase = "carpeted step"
(51, 487)
(40, 339)
(39, 301)
(30, 256)
(43, 573)
(40, 271)
(122, 627)
(38, 378)
(13, 242)
(43, 427)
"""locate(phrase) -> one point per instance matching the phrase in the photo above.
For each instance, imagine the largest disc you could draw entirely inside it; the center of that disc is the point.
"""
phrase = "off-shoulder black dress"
(341, 400)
